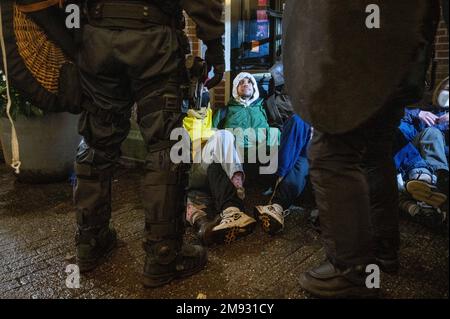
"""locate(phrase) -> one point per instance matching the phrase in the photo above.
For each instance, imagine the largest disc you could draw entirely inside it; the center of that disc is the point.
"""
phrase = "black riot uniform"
(133, 52)
(351, 81)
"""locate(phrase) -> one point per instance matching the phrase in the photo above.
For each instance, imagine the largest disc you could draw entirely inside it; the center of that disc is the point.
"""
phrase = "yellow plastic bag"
(199, 129)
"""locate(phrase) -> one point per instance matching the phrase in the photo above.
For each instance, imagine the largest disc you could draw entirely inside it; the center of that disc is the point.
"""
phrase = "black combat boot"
(94, 246)
(328, 281)
(204, 229)
(386, 256)
(167, 260)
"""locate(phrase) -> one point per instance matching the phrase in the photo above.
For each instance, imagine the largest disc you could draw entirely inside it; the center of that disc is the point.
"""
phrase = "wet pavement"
(37, 225)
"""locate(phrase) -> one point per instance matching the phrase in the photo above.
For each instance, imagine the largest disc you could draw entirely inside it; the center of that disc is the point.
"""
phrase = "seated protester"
(245, 111)
(215, 183)
(292, 173)
(428, 132)
(278, 106)
(412, 168)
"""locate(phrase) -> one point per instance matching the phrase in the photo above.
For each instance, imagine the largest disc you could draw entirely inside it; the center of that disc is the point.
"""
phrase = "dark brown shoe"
(327, 281)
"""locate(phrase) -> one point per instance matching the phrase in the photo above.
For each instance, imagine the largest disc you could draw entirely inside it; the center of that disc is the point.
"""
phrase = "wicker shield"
(34, 60)
(342, 66)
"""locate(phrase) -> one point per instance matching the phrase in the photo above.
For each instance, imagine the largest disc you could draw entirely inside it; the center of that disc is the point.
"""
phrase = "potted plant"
(47, 141)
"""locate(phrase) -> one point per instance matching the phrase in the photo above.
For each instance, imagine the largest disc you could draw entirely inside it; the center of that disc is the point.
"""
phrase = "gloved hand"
(215, 58)
(198, 114)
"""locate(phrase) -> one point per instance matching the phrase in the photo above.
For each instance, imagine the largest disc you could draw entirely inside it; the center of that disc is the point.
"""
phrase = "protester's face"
(245, 88)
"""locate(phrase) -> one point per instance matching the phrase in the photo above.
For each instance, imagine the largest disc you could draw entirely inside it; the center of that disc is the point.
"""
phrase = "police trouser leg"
(95, 161)
(383, 190)
(163, 198)
(342, 196)
(350, 216)
(164, 182)
(92, 196)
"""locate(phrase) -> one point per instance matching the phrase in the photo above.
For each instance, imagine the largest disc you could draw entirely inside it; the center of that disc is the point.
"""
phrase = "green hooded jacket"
(245, 115)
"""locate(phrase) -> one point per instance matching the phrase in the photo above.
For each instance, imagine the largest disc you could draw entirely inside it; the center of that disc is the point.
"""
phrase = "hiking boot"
(421, 174)
(271, 217)
(233, 224)
(168, 260)
(328, 281)
(421, 187)
(94, 246)
(427, 193)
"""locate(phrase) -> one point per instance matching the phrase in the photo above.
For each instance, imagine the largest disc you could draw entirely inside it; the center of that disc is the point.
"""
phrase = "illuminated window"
(255, 34)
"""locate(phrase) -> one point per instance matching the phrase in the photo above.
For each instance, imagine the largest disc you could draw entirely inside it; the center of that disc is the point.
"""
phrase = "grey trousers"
(431, 145)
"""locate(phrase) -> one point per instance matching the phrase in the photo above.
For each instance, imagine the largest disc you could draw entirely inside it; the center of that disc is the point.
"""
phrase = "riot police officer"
(133, 52)
(351, 81)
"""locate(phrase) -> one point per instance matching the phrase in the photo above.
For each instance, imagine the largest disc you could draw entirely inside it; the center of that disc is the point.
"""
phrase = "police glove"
(215, 58)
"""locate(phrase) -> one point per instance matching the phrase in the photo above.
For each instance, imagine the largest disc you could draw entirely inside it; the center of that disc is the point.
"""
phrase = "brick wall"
(195, 42)
(218, 94)
(441, 52)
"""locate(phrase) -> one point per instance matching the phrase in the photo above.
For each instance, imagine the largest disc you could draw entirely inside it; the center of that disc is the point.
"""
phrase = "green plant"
(19, 105)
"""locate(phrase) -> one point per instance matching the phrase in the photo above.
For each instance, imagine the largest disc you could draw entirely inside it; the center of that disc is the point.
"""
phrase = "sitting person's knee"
(225, 135)
(432, 132)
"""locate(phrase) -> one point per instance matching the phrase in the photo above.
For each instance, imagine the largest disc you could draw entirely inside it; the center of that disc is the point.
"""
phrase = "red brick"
(442, 47)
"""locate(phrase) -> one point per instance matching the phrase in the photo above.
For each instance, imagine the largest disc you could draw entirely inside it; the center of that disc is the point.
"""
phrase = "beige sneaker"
(425, 192)
(271, 217)
(233, 225)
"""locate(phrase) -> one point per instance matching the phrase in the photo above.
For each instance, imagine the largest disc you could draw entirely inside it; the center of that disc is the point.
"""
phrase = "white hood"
(236, 81)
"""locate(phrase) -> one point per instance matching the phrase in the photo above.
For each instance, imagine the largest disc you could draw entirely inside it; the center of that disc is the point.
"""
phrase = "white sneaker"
(233, 225)
(421, 174)
(271, 217)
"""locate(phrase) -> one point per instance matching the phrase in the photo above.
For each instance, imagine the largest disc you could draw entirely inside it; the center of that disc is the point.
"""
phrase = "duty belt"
(133, 11)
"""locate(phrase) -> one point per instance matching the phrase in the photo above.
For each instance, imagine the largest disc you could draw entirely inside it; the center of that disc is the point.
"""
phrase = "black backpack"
(278, 108)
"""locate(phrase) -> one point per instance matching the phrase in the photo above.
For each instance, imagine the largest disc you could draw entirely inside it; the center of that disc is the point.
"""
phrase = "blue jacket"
(411, 125)
(294, 142)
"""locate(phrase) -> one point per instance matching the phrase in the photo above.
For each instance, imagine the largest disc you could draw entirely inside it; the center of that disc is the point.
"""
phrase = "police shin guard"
(167, 258)
(95, 238)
